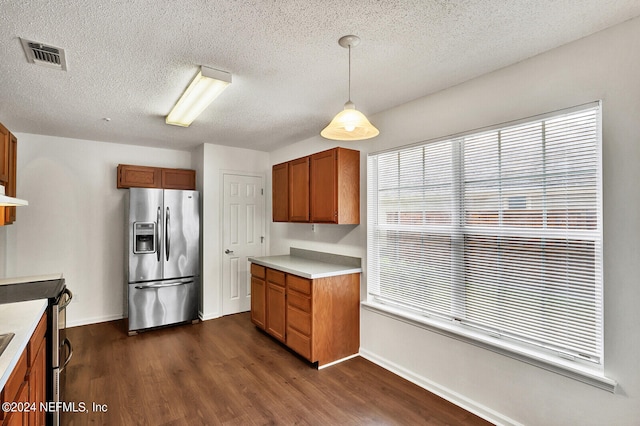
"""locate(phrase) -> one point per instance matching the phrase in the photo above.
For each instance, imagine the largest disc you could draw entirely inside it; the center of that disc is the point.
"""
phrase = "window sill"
(566, 368)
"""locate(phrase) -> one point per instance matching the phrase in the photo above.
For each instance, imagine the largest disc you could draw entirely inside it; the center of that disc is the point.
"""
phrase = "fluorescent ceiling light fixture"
(349, 124)
(205, 87)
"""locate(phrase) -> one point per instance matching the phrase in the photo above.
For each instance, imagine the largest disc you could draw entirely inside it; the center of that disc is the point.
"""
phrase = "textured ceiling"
(129, 60)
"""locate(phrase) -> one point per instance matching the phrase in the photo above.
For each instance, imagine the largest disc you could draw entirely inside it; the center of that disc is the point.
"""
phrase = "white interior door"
(243, 237)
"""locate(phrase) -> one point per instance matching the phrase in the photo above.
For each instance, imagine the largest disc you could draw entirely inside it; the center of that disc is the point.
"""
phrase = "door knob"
(227, 251)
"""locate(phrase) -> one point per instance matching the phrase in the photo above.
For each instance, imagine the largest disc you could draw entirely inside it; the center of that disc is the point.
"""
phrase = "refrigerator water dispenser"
(144, 237)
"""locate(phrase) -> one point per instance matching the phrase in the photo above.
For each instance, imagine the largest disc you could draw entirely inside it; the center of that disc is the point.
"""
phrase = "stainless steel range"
(59, 350)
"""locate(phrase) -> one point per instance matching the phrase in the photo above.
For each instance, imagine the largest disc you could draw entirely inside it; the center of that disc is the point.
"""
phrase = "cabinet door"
(324, 187)
(280, 192)
(178, 179)
(38, 372)
(299, 190)
(258, 303)
(10, 212)
(19, 418)
(276, 304)
(138, 177)
(38, 386)
(4, 155)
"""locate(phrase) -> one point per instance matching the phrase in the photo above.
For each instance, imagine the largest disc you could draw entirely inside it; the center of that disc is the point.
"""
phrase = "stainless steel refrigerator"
(163, 257)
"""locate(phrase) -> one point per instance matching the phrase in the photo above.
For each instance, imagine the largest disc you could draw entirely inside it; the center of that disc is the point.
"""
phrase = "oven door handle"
(66, 303)
(67, 343)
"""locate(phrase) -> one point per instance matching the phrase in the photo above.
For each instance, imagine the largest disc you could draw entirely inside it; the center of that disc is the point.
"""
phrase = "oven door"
(61, 348)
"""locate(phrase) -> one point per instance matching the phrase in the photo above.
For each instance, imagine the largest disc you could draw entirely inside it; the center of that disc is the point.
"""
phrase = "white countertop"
(22, 319)
(31, 278)
(304, 267)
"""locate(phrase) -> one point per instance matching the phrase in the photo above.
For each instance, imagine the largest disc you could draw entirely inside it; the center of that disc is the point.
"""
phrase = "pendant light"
(349, 124)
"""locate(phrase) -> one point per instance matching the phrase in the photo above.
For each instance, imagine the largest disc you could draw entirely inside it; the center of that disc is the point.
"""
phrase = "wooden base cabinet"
(28, 382)
(276, 302)
(37, 379)
(321, 317)
(258, 294)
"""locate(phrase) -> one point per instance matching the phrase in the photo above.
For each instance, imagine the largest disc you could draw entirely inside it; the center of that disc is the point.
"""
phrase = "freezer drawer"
(158, 303)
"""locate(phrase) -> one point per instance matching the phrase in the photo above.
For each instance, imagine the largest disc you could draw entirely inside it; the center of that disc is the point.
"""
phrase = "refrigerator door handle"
(167, 234)
(158, 222)
(174, 284)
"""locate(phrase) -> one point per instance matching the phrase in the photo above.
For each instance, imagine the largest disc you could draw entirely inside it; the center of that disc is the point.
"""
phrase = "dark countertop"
(30, 288)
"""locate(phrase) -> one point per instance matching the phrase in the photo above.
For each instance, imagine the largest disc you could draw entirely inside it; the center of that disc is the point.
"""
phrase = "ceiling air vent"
(41, 54)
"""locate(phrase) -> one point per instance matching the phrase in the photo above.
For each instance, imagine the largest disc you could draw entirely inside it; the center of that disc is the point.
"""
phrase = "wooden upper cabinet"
(138, 177)
(8, 172)
(178, 179)
(10, 186)
(324, 182)
(280, 192)
(335, 186)
(321, 188)
(154, 177)
(4, 153)
(299, 190)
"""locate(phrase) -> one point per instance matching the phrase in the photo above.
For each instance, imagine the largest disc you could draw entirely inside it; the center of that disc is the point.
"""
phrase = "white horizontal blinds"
(532, 238)
(499, 230)
(410, 227)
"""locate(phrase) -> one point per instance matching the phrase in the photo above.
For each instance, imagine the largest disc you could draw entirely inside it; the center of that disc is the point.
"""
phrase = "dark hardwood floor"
(225, 371)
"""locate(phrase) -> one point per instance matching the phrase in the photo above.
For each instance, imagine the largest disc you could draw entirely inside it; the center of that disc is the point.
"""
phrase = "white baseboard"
(443, 392)
(207, 317)
(320, 367)
(93, 320)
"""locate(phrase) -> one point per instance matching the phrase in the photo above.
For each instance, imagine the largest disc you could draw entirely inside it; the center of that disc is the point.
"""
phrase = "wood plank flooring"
(227, 372)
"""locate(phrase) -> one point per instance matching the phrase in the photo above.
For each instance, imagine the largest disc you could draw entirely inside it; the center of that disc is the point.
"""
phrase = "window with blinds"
(497, 231)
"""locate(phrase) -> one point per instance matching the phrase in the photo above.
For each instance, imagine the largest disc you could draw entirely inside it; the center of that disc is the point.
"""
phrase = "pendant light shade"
(349, 124)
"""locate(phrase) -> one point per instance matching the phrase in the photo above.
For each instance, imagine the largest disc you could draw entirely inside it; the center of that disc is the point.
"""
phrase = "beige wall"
(74, 223)
(74, 204)
(213, 161)
(604, 66)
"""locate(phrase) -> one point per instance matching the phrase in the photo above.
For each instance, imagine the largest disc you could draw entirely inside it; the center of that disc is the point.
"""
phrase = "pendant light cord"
(349, 72)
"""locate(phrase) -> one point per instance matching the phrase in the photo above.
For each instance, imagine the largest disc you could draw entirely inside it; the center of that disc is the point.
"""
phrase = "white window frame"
(588, 372)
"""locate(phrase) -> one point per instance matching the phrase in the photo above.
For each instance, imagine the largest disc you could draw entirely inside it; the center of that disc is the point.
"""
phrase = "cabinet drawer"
(258, 271)
(299, 320)
(16, 379)
(299, 343)
(302, 285)
(37, 339)
(299, 301)
(275, 277)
